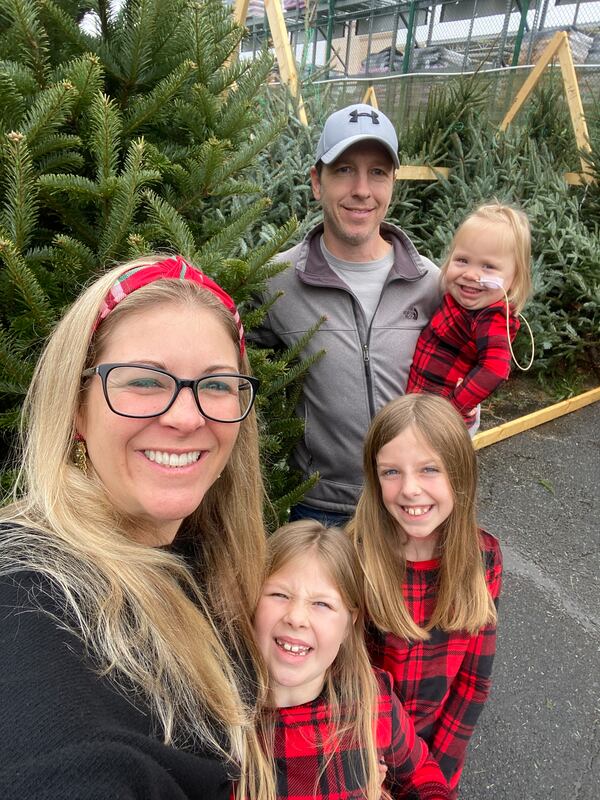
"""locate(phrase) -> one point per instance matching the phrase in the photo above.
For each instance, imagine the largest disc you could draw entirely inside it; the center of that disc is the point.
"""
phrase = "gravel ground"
(539, 736)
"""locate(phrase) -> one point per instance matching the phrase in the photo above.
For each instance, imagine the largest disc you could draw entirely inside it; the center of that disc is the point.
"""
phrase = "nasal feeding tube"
(498, 283)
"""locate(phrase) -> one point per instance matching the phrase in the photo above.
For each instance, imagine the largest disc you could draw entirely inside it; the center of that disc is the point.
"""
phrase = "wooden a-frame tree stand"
(559, 47)
(283, 51)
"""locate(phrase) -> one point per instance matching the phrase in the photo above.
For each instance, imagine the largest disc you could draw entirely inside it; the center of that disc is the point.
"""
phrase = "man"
(375, 292)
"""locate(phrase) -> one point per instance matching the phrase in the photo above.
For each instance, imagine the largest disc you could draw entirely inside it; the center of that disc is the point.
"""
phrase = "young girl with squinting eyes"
(465, 351)
(432, 577)
(332, 717)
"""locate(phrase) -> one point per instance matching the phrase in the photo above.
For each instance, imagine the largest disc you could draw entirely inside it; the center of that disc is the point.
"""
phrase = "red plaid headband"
(174, 267)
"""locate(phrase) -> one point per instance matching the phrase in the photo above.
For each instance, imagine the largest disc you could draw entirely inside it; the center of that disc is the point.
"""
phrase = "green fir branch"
(297, 370)
(15, 373)
(169, 225)
(223, 243)
(204, 168)
(27, 287)
(86, 75)
(205, 108)
(253, 317)
(49, 110)
(19, 210)
(49, 144)
(105, 127)
(74, 217)
(258, 261)
(82, 259)
(169, 38)
(65, 28)
(246, 154)
(208, 15)
(65, 161)
(28, 36)
(126, 201)
(137, 246)
(233, 188)
(21, 75)
(239, 110)
(283, 503)
(11, 103)
(132, 45)
(72, 185)
(147, 106)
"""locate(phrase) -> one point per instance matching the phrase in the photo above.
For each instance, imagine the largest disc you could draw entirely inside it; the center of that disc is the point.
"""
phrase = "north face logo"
(411, 313)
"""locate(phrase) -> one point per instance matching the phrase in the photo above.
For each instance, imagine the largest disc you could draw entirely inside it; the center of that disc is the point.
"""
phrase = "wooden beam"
(574, 101)
(577, 178)
(283, 51)
(548, 54)
(370, 97)
(419, 172)
(494, 435)
(240, 11)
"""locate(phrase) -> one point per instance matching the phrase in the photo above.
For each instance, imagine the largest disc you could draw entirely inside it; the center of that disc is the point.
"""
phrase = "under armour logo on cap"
(357, 123)
(354, 115)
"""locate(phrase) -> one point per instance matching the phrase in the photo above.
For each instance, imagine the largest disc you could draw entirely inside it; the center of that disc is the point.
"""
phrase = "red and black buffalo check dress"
(444, 682)
(303, 743)
(459, 344)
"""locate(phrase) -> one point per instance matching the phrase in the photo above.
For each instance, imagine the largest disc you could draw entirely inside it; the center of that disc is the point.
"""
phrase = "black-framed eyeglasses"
(140, 392)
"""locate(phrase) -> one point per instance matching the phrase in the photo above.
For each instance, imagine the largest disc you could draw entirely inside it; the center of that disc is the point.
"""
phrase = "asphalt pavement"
(539, 735)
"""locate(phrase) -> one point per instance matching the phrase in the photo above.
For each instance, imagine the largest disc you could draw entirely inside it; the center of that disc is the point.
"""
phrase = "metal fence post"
(519, 39)
(331, 12)
(409, 37)
(504, 34)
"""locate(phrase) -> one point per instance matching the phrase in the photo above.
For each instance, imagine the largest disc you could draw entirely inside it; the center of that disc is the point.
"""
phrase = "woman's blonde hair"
(181, 634)
(463, 599)
(517, 236)
(350, 686)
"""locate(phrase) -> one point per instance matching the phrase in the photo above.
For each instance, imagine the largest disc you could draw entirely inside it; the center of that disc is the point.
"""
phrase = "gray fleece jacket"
(364, 365)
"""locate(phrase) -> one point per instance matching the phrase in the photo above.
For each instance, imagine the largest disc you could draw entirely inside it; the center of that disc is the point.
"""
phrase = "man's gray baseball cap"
(357, 123)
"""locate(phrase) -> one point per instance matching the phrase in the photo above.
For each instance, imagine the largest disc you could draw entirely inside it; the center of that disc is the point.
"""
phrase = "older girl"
(432, 577)
(128, 558)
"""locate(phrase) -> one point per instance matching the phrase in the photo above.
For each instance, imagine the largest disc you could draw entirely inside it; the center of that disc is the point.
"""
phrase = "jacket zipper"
(366, 354)
(367, 363)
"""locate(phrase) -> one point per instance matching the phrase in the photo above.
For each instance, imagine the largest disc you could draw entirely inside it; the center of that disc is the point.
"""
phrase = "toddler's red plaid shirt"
(303, 742)
(462, 344)
(445, 681)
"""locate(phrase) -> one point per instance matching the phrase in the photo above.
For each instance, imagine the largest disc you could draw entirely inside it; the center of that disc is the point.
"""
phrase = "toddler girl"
(432, 577)
(333, 717)
(464, 353)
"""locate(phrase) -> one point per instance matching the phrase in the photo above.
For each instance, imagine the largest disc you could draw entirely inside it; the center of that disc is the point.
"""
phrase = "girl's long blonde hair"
(350, 686)
(463, 599)
(179, 634)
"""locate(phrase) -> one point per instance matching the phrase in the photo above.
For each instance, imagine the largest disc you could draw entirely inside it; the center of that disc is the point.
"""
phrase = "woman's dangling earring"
(80, 453)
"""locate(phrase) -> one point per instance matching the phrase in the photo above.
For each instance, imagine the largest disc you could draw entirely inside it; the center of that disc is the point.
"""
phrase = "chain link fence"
(357, 44)
(402, 97)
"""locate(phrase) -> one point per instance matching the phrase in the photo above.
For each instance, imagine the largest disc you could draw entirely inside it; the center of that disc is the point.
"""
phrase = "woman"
(127, 668)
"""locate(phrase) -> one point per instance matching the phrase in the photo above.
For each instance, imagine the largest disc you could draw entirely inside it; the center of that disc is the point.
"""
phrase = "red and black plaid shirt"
(303, 742)
(445, 681)
(459, 343)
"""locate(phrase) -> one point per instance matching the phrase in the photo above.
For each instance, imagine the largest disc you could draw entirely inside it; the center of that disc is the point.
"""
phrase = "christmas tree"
(135, 137)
